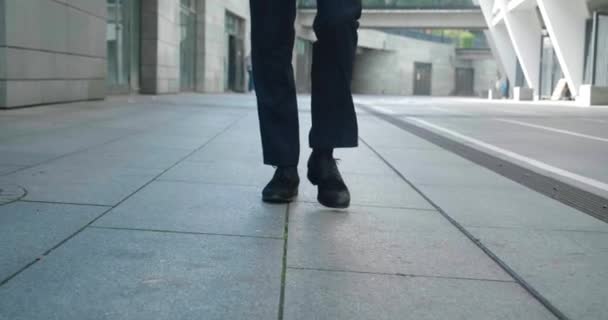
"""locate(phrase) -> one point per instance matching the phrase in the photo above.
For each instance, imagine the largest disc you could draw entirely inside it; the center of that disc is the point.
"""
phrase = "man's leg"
(272, 40)
(334, 122)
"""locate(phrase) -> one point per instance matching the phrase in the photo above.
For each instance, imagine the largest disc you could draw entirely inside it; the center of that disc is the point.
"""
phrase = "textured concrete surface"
(312, 294)
(182, 233)
(30, 229)
(120, 274)
(556, 249)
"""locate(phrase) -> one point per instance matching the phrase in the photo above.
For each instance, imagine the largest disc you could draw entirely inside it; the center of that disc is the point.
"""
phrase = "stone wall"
(390, 70)
(51, 51)
(160, 46)
(212, 45)
(486, 74)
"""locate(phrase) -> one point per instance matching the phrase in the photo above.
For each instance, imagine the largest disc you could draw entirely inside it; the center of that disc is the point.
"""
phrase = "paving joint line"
(86, 124)
(373, 206)
(399, 274)
(84, 149)
(226, 184)
(46, 253)
(503, 265)
(186, 232)
(284, 267)
(68, 203)
(535, 229)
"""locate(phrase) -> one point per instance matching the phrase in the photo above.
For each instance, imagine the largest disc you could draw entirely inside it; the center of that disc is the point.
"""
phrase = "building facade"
(61, 51)
(55, 51)
(551, 49)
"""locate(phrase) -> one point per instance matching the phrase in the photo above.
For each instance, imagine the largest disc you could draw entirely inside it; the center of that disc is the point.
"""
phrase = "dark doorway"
(422, 78)
(232, 62)
(464, 82)
(235, 55)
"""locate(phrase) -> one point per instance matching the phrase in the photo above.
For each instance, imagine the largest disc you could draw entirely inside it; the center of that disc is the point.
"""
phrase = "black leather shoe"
(283, 187)
(323, 172)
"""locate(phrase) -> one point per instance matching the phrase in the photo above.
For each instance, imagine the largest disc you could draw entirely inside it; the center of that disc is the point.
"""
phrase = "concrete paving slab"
(570, 269)
(314, 294)
(79, 183)
(387, 191)
(221, 149)
(195, 207)
(65, 141)
(117, 274)
(423, 157)
(128, 156)
(23, 158)
(222, 172)
(381, 134)
(451, 172)
(382, 240)
(161, 140)
(8, 169)
(30, 229)
(517, 207)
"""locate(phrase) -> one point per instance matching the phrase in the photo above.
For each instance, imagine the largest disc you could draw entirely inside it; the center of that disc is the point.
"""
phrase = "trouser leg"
(272, 40)
(334, 122)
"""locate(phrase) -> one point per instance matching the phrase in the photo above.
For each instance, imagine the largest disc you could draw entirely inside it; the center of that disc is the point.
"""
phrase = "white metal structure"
(516, 28)
(411, 18)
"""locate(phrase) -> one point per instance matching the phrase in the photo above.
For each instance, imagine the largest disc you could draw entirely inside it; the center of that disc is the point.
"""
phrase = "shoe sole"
(314, 182)
(279, 200)
(334, 205)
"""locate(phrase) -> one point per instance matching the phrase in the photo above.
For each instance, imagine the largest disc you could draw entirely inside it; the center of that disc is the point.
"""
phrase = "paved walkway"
(148, 208)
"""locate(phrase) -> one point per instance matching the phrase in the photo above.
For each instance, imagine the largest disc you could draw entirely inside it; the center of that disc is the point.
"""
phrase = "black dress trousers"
(334, 122)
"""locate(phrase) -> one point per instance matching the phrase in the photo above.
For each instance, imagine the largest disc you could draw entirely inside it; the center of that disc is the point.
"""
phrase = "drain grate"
(11, 193)
(589, 203)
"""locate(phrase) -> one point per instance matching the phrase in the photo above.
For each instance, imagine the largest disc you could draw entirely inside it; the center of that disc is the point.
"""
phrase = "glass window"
(187, 46)
(596, 59)
(122, 44)
(601, 55)
(551, 71)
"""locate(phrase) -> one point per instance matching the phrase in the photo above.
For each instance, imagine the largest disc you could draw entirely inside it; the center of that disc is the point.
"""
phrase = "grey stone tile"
(117, 274)
(65, 140)
(80, 183)
(222, 171)
(23, 93)
(442, 168)
(129, 156)
(30, 229)
(388, 191)
(394, 241)
(517, 207)
(161, 140)
(570, 269)
(8, 169)
(339, 295)
(420, 157)
(381, 134)
(191, 207)
(222, 149)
